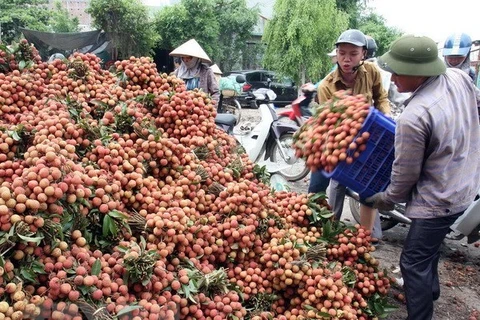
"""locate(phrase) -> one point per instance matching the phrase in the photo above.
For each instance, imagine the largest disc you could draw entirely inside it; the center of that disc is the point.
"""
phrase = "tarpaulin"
(51, 42)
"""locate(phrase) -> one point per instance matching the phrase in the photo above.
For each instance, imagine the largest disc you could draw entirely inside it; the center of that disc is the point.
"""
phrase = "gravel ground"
(459, 266)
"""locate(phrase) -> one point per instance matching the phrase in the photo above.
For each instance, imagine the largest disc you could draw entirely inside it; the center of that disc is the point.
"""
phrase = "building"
(76, 8)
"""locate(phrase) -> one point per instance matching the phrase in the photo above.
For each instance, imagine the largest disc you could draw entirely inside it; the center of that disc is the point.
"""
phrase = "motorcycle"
(388, 219)
(268, 143)
(299, 110)
(467, 225)
(229, 105)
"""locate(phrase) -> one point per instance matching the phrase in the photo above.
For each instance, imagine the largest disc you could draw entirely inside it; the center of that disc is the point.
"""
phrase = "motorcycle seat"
(226, 119)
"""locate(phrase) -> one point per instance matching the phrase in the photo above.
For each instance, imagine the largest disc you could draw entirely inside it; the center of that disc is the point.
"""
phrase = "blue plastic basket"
(370, 172)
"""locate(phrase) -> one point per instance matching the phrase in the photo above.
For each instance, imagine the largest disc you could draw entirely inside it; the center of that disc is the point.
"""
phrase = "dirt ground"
(459, 266)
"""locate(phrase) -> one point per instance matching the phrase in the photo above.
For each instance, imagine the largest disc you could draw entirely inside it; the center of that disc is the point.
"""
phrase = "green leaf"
(145, 281)
(28, 274)
(15, 136)
(85, 289)
(324, 315)
(97, 267)
(38, 267)
(109, 228)
(127, 309)
(35, 240)
(319, 195)
(309, 307)
(84, 202)
(118, 215)
(21, 65)
(122, 249)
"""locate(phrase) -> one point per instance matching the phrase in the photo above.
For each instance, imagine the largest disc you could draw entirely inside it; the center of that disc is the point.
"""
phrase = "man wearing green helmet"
(436, 171)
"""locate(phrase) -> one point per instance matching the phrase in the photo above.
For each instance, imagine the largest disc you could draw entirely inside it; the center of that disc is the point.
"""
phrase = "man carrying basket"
(436, 169)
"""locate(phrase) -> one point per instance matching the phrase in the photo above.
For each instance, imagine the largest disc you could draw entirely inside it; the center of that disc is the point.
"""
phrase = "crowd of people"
(436, 171)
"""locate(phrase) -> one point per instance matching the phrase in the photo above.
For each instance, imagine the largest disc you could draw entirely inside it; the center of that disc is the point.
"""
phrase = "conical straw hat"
(216, 69)
(191, 48)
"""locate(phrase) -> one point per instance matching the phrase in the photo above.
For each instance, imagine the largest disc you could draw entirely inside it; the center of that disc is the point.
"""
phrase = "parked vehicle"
(269, 143)
(228, 104)
(284, 88)
(388, 219)
(467, 225)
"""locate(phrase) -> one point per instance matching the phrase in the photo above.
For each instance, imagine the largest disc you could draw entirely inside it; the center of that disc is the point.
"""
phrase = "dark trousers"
(419, 264)
(318, 182)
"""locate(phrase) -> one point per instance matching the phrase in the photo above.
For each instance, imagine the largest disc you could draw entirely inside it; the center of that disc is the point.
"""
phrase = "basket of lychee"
(350, 141)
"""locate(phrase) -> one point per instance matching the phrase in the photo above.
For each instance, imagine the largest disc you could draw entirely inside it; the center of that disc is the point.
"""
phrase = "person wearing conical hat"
(217, 72)
(194, 69)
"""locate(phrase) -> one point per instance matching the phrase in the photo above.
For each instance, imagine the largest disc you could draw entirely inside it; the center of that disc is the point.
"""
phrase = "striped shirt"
(436, 170)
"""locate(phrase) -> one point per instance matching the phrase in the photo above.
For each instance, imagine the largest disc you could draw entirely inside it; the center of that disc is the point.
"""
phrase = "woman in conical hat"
(217, 72)
(194, 69)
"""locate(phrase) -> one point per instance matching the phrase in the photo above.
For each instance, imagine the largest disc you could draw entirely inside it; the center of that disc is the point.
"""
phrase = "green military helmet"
(413, 55)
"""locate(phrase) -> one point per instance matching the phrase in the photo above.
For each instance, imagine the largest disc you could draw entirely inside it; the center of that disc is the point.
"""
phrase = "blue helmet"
(457, 44)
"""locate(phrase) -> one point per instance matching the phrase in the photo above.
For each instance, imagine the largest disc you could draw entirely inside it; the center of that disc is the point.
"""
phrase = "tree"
(374, 25)
(16, 14)
(188, 19)
(300, 35)
(60, 20)
(221, 27)
(127, 23)
(353, 8)
(236, 23)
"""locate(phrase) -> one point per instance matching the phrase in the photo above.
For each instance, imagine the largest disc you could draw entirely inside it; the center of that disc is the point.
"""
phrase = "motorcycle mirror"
(269, 82)
(240, 78)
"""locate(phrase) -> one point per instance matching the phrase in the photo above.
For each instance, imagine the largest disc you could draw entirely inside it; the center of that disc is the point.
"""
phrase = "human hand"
(379, 201)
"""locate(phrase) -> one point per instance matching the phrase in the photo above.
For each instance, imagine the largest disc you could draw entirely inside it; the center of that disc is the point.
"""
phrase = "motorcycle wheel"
(287, 120)
(232, 106)
(385, 222)
(297, 169)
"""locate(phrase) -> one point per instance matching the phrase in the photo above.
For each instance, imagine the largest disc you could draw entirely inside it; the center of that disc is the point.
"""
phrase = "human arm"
(477, 91)
(379, 94)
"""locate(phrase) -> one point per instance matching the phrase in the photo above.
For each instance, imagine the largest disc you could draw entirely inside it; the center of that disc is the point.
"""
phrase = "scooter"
(229, 105)
(388, 219)
(268, 143)
(299, 110)
(467, 225)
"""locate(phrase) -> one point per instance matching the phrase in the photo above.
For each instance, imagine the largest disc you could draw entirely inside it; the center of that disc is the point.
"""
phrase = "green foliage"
(61, 21)
(236, 23)
(139, 262)
(221, 27)
(300, 35)
(353, 8)
(379, 306)
(128, 24)
(374, 26)
(262, 174)
(15, 14)
(189, 19)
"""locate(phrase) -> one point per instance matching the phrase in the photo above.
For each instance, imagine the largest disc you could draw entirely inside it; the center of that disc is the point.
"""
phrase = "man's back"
(442, 120)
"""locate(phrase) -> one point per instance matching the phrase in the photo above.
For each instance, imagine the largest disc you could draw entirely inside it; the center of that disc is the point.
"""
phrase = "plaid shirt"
(437, 148)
